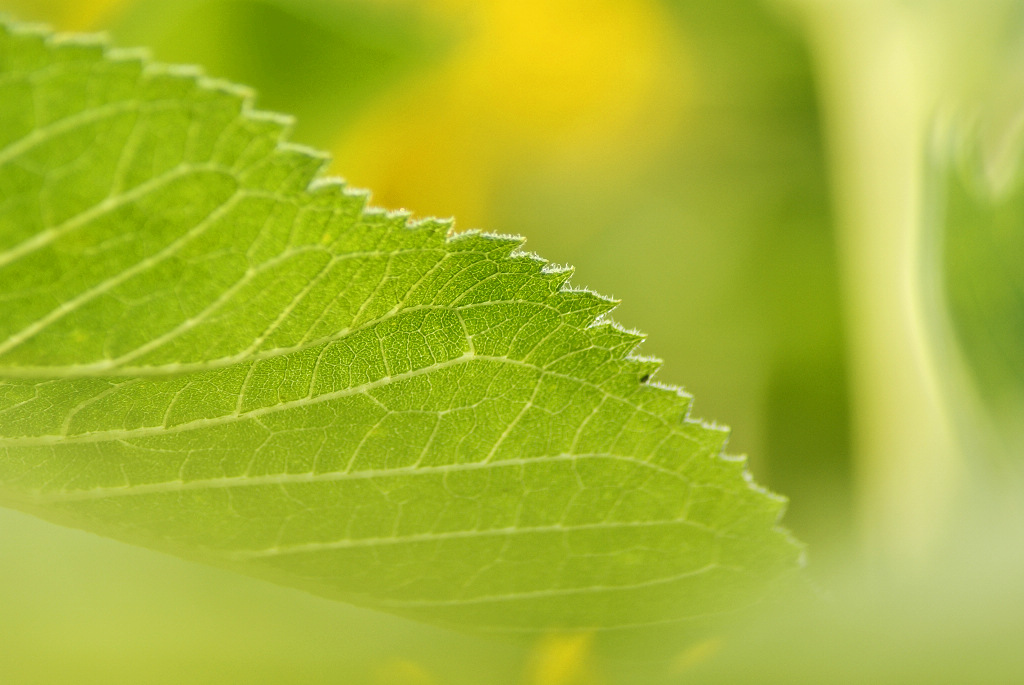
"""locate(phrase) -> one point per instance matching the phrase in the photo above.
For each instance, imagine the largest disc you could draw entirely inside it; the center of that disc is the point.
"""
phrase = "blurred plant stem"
(877, 78)
(899, 79)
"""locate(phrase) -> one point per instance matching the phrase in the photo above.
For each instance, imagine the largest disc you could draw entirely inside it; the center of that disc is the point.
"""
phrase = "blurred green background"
(673, 151)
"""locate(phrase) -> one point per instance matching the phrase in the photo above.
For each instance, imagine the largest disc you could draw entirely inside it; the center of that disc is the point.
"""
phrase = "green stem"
(876, 81)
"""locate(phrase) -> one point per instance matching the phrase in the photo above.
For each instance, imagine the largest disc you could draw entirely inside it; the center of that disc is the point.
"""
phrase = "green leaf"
(207, 348)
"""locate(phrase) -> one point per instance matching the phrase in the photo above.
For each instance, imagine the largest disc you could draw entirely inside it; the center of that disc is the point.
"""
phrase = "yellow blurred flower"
(580, 83)
(562, 659)
(67, 15)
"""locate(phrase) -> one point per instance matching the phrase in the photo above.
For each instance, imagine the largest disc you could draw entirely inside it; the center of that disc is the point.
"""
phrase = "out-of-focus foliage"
(957, 622)
(322, 61)
(83, 609)
(983, 254)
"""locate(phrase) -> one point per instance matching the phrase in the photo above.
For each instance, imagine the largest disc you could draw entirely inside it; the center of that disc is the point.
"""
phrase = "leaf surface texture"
(208, 348)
